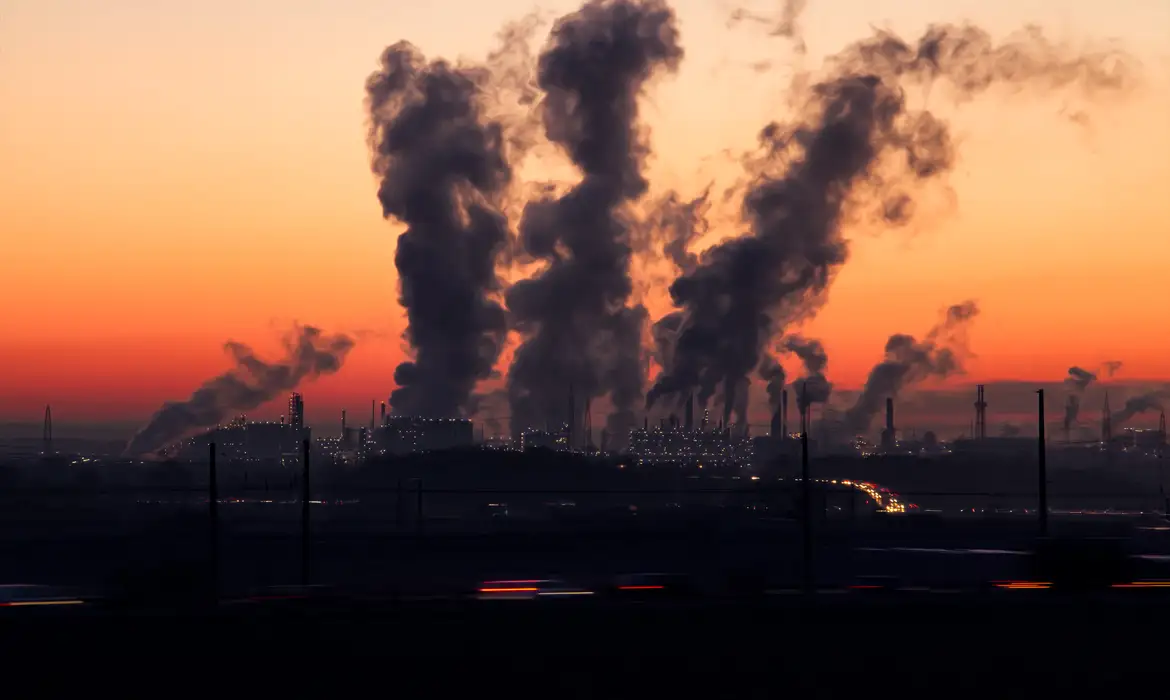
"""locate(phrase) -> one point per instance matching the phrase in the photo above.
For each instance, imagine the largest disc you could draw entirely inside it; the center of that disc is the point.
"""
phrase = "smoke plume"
(940, 354)
(855, 149)
(251, 383)
(785, 24)
(577, 326)
(1078, 380)
(443, 173)
(773, 375)
(813, 387)
(1151, 401)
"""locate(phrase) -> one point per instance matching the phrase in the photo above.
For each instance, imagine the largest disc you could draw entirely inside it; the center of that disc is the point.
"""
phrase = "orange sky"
(178, 174)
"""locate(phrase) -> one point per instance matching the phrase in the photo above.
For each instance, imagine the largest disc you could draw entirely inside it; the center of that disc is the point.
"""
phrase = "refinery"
(689, 441)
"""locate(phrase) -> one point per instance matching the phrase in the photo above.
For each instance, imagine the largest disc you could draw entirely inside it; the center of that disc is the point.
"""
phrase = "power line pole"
(806, 498)
(1043, 470)
(213, 515)
(305, 513)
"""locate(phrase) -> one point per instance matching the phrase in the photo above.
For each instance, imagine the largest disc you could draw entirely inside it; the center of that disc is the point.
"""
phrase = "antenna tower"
(47, 432)
(1106, 422)
(588, 427)
(980, 414)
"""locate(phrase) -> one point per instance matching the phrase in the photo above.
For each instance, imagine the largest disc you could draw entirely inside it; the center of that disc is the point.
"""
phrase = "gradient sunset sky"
(180, 173)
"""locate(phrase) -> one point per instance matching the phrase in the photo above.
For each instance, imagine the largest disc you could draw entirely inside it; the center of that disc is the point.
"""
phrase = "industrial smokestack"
(784, 413)
(909, 360)
(777, 427)
(343, 425)
(888, 435)
(382, 417)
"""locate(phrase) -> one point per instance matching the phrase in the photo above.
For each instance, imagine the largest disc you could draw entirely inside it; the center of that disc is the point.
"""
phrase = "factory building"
(407, 434)
(674, 444)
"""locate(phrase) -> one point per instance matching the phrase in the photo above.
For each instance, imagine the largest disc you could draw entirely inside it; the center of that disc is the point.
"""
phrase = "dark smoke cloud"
(443, 173)
(855, 150)
(1137, 405)
(813, 387)
(908, 361)
(784, 24)
(577, 325)
(1078, 381)
(773, 375)
(679, 223)
(251, 383)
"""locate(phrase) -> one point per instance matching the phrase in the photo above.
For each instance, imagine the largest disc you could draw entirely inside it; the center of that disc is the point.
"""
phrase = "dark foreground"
(964, 645)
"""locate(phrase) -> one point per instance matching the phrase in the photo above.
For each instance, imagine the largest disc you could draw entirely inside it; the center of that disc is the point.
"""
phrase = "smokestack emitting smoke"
(908, 361)
(813, 387)
(1151, 401)
(819, 171)
(443, 173)
(1078, 381)
(574, 316)
(251, 383)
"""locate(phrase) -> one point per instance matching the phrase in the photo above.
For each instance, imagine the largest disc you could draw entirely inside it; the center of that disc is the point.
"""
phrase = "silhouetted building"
(407, 434)
(889, 435)
(296, 411)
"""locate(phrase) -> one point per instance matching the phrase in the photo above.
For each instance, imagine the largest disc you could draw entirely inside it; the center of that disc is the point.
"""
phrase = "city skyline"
(1024, 235)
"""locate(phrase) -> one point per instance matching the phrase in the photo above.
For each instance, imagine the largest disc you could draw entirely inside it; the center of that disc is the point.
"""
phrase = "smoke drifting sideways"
(1137, 405)
(813, 387)
(908, 361)
(443, 173)
(855, 150)
(309, 354)
(577, 326)
(1078, 381)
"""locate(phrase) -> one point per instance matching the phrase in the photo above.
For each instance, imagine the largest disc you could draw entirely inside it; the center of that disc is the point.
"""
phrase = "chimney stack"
(383, 413)
(784, 413)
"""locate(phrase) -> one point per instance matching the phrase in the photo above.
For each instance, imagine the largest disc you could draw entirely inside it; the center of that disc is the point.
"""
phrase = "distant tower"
(588, 426)
(689, 415)
(784, 413)
(1162, 430)
(980, 414)
(888, 434)
(572, 421)
(1106, 422)
(343, 425)
(296, 411)
(373, 402)
(47, 432)
(777, 427)
(383, 416)
(706, 418)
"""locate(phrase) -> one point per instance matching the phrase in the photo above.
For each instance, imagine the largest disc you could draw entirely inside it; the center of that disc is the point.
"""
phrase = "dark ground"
(959, 645)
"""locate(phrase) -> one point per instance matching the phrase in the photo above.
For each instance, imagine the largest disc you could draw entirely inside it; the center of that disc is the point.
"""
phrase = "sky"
(181, 174)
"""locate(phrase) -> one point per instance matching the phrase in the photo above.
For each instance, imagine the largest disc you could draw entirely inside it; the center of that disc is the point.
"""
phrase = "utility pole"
(806, 498)
(305, 513)
(1043, 471)
(213, 516)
